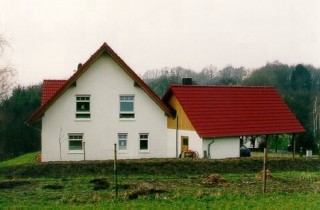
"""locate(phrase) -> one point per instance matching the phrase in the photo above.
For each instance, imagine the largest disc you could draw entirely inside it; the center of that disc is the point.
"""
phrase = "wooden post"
(84, 150)
(277, 139)
(264, 178)
(294, 145)
(115, 169)
(265, 156)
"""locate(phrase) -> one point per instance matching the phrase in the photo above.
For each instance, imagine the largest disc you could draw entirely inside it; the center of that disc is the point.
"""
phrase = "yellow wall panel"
(184, 122)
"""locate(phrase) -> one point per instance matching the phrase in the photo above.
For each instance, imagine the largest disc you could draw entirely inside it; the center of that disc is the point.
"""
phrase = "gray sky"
(49, 38)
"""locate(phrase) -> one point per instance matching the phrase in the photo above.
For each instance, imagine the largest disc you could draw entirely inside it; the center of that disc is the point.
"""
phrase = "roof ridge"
(220, 86)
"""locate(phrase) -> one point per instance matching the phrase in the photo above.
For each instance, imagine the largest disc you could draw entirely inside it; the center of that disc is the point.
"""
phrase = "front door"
(184, 143)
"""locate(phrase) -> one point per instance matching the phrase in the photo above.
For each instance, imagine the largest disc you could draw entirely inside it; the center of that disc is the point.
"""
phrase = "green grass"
(24, 159)
(241, 191)
(160, 184)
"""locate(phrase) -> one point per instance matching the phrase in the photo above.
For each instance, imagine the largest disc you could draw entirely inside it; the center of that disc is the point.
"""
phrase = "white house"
(105, 103)
(102, 104)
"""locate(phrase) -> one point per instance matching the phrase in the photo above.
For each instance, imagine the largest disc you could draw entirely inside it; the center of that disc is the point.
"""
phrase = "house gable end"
(83, 68)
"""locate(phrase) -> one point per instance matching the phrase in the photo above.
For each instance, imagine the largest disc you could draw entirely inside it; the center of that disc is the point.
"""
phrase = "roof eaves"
(37, 115)
(167, 95)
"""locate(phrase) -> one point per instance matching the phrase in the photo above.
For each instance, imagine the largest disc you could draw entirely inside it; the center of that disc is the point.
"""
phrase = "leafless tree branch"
(7, 74)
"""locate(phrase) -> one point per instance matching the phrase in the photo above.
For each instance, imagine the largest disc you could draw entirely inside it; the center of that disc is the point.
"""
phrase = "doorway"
(184, 143)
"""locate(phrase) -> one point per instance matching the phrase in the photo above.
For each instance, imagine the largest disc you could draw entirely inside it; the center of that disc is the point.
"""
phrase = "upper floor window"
(126, 107)
(83, 106)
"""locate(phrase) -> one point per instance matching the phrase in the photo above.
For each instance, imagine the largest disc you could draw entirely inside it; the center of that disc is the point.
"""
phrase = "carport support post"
(265, 151)
(294, 145)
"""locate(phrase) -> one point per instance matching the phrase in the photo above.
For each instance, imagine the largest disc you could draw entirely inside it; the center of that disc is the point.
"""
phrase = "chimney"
(79, 65)
(186, 81)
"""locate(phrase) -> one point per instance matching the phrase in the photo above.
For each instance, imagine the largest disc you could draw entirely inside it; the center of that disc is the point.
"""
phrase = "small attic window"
(83, 107)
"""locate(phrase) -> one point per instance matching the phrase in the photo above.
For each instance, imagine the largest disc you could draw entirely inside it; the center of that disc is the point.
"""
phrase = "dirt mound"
(145, 188)
(12, 184)
(100, 184)
(213, 180)
(260, 174)
(53, 187)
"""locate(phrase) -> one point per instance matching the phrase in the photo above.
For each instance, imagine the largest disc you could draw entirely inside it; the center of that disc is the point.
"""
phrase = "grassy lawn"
(24, 159)
(280, 154)
(185, 190)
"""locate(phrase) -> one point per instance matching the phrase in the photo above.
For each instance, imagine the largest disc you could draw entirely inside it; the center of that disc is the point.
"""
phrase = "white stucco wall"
(104, 81)
(222, 147)
(195, 142)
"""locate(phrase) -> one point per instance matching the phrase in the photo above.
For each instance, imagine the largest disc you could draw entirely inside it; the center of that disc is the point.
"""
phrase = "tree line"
(17, 103)
(16, 138)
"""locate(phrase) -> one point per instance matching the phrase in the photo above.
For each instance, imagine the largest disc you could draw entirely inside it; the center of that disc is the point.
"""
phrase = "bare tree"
(315, 115)
(7, 80)
(61, 139)
(7, 74)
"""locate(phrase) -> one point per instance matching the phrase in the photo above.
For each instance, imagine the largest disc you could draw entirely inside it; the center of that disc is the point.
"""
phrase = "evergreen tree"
(15, 137)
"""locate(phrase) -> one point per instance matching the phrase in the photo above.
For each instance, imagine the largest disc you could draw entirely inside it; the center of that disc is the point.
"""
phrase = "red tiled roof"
(103, 49)
(217, 111)
(49, 88)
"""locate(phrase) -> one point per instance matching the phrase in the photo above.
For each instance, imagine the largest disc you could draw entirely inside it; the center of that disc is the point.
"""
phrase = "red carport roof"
(217, 111)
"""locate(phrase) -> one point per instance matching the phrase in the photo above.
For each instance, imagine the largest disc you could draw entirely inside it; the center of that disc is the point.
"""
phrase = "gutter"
(27, 124)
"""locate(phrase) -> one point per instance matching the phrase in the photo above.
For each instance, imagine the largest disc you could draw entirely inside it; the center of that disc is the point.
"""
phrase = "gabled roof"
(217, 111)
(82, 68)
(49, 88)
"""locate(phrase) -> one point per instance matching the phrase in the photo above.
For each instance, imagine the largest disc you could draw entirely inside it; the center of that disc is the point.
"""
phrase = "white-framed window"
(83, 107)
(122, 141)
(75, 142)
(126, 107)
(144, 143)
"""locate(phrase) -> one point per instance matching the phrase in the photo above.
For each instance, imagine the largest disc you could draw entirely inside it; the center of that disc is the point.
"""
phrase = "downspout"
(177, 135)
(84, 150)
(209, 155)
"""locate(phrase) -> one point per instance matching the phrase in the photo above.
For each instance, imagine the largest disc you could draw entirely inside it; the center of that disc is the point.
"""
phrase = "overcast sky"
(48, 38)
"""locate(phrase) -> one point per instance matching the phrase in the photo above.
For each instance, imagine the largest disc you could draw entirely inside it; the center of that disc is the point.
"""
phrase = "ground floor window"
(122, 141)
(75, 141)
(144, 141)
